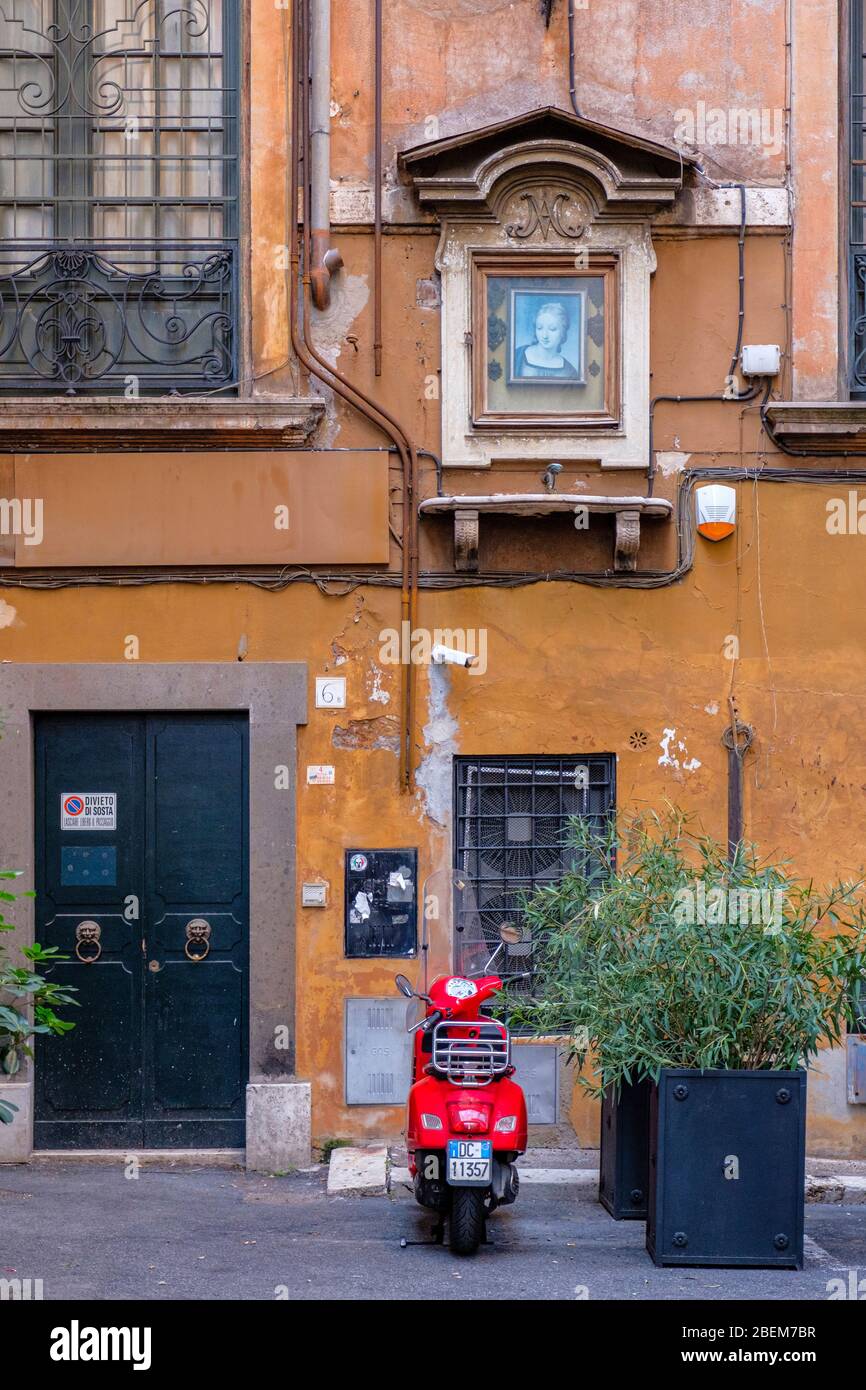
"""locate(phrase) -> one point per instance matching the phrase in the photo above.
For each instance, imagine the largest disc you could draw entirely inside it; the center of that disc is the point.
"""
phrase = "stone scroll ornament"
(548, 212)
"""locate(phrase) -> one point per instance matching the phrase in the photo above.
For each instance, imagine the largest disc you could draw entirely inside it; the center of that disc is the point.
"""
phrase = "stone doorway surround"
(274, 695)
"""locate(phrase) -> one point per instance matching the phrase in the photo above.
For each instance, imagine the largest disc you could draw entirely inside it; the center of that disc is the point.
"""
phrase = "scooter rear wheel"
(466, 1224)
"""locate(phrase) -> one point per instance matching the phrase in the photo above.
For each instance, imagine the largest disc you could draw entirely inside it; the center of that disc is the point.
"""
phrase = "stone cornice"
(62, 424)
(820, 427)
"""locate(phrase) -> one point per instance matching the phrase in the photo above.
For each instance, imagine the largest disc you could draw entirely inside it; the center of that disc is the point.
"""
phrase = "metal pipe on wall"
(318, 366)
(377, 193)
(325, 258)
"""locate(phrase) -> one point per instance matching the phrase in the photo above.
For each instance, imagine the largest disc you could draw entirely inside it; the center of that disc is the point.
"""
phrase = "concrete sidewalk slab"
(358, 1172)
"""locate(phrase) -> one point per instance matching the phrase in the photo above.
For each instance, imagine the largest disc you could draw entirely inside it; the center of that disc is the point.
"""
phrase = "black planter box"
(704, 1124)
(623, 1182)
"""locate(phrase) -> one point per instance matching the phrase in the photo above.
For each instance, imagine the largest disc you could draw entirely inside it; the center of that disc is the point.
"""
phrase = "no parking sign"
(88, 810)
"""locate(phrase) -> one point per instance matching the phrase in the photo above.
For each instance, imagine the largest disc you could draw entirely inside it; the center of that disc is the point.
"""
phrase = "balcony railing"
(84, 319)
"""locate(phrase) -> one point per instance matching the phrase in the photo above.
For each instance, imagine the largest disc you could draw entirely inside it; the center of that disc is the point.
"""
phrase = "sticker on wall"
(320, 775)
(330, 692)
(88, 810)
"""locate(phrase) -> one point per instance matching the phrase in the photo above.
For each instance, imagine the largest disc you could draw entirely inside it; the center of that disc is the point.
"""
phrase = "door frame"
(274, 696)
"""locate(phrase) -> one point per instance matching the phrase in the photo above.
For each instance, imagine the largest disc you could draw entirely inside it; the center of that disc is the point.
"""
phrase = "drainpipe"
(300, 293)
(377, 193)
(325, 258)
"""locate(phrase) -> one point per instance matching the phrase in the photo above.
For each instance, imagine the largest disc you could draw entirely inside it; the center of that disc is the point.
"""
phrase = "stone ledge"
(74, 424)
(821, 427)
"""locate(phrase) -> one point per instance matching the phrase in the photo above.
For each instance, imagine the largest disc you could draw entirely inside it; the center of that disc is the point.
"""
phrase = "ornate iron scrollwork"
(74, 319)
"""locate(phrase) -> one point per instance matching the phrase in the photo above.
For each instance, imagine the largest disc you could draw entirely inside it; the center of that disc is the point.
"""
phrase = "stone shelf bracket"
(467, 512)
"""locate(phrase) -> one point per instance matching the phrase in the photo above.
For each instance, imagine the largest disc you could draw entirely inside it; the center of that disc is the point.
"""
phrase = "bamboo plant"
(20, 987)
(655, 950)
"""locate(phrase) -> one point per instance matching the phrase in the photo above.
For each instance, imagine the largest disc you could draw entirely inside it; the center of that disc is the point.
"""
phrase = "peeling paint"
(369, 735)
(349, 296)
(669, 756)
(433, 775)
(377, 691)
(671, 461)
(712, 707)
(8, 615)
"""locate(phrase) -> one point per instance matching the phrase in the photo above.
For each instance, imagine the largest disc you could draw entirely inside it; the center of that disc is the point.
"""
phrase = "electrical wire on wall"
(572, 81)
(729, 393)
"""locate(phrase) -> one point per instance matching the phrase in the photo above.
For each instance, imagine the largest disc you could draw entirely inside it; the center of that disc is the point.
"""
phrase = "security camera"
(450, 656)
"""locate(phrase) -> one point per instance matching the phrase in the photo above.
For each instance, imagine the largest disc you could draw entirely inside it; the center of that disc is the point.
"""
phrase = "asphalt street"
(90, 1232)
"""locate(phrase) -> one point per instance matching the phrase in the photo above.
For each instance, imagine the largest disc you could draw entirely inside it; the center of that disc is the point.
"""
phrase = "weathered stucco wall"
(570, 669)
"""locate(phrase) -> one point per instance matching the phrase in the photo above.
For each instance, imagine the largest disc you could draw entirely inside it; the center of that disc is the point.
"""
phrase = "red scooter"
(466, 1119)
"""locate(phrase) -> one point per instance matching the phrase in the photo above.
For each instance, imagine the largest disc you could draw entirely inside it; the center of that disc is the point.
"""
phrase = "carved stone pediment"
(552, 195)
(550, 155)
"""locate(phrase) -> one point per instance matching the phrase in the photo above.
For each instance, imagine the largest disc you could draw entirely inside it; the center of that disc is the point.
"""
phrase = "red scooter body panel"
(433, 1095)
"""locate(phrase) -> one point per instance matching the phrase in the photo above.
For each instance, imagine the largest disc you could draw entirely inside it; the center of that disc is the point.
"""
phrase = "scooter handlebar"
(425, 1023)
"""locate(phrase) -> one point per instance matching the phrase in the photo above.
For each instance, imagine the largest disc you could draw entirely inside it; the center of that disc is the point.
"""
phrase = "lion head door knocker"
(197, 939)
(87, 936)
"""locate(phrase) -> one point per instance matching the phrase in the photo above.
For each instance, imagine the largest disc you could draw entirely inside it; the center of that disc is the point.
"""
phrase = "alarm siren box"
(716, 509)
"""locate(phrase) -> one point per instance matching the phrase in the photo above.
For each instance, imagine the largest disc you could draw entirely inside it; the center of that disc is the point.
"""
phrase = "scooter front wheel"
(466, 1224)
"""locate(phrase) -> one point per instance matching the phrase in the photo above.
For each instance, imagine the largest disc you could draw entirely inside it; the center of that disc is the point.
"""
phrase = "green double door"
(142, 882)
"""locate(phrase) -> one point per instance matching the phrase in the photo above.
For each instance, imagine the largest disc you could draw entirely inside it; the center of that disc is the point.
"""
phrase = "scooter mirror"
(511, 935)
(404, 986)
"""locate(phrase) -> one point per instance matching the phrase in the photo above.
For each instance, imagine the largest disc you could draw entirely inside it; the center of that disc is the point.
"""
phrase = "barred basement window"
(511, 826)
(118, 195)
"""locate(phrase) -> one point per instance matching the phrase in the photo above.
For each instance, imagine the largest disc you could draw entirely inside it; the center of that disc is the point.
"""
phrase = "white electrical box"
(314, 895)
(761, 359)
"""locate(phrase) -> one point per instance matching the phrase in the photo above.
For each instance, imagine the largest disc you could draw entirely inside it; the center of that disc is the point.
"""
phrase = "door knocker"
(197, 935)
(88, 934)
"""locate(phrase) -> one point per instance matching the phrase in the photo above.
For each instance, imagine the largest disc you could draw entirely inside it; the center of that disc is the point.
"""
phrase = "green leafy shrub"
(655, 951)
(20, 986)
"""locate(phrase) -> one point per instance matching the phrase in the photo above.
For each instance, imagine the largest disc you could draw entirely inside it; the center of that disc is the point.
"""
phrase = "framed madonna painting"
(545, 336)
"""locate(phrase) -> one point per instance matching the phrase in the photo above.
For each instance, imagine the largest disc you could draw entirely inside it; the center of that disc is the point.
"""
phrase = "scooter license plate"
(470, 1162)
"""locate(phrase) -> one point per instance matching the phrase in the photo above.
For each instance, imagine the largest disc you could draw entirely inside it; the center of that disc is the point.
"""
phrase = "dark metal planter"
(727, 1168)
(624, 1163)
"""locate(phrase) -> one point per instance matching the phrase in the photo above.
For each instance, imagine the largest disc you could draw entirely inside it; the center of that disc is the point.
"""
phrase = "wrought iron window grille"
(511, 837)
(118, 195)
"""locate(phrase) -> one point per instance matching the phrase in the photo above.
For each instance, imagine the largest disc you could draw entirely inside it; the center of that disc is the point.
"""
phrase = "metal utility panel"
(537, 1070)
(856, 1070)
(378, 1052)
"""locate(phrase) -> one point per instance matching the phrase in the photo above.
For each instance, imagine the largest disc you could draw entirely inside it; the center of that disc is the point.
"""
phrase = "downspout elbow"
(326, 261)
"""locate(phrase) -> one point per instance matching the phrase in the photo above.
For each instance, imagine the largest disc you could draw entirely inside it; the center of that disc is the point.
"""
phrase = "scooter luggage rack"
(470, 1061)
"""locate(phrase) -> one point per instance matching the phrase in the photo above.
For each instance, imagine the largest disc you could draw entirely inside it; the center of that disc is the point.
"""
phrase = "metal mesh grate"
(510, 829)
(118, 193)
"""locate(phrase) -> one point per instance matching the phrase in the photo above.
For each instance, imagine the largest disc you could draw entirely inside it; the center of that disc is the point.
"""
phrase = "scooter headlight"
(431, 1122)
(506, 1125)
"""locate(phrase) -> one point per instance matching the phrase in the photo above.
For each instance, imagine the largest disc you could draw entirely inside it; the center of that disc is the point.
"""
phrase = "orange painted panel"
(207, 509)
